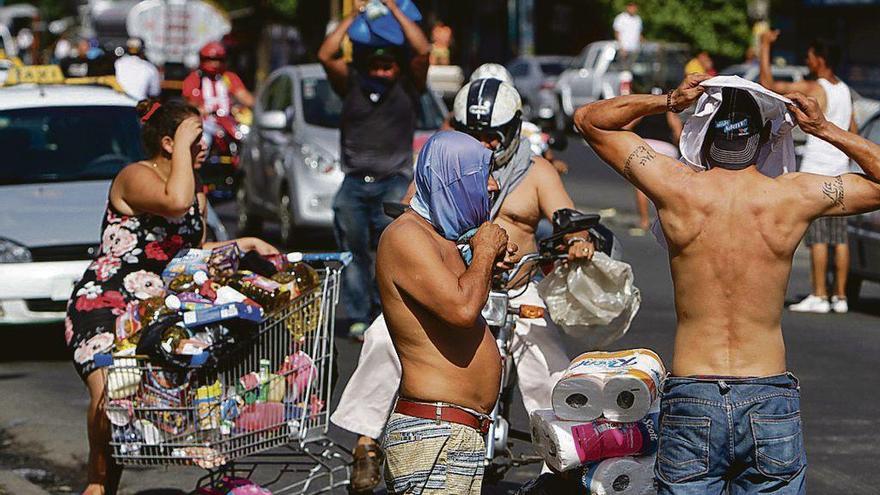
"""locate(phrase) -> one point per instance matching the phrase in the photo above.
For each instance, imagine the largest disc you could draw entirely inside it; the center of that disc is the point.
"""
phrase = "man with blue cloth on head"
(380, 91)
(434, 269)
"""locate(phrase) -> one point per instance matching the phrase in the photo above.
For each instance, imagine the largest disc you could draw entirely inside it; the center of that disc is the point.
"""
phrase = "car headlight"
(11, 252)
(317, 162)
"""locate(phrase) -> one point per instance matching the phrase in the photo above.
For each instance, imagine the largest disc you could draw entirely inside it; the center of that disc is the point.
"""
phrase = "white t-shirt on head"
(629, 31)
(138, 77)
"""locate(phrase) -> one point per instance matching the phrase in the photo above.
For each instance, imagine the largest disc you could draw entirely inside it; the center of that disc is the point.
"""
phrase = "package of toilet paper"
(620, 476)
(619, 386)
(567, 445)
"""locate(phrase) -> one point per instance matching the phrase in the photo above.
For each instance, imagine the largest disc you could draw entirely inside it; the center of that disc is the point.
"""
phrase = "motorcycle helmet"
(213, 51)
(492, 71)
(490, 106)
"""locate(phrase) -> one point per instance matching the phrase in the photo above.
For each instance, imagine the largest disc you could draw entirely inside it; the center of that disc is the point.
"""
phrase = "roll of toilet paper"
(579, 396)
(619, 386)
(566, 445)
(620, 476)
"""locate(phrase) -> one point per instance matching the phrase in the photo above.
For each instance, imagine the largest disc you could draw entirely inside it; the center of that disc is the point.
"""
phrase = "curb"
(14, 484)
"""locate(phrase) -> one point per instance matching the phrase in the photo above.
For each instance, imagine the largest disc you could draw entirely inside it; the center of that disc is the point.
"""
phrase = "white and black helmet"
(492, 71)
(490, 106)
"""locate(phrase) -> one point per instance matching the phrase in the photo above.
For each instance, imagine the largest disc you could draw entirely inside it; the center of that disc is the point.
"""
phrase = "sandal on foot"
(366, 472)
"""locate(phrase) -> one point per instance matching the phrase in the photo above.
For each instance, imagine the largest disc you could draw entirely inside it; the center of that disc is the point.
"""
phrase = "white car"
(63, 145)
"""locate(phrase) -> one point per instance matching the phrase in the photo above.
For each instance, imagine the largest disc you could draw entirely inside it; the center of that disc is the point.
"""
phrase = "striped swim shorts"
(423, 456)
(827, 230)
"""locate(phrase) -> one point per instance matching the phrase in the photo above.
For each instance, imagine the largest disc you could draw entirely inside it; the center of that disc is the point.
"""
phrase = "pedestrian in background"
(380, 91)
(702, 63)
(137, 76)
(441, 41)
(820, 157)
(628, 28)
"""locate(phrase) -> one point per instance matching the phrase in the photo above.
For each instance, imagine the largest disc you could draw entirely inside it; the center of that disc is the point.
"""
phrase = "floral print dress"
(134, 250)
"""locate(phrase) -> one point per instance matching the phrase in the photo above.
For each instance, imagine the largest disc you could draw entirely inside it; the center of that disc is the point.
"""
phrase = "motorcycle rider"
(529, 189)
(212, 87)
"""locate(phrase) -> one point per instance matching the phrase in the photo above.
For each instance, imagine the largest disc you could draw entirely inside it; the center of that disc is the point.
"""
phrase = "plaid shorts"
(827, 230)
(423, 456)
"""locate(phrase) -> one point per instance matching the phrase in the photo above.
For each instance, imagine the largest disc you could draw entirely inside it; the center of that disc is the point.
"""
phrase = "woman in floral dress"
(153, 211)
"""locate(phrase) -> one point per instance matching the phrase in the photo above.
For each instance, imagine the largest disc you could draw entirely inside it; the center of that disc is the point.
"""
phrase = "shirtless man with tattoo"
(730, 413)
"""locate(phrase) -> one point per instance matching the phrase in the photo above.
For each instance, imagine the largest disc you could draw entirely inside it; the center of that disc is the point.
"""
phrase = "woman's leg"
(104, 473)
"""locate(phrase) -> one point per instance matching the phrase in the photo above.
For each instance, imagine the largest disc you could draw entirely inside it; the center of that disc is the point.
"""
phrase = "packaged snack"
(188, 262)
(223, 261)
(207, 404)
(214, 314)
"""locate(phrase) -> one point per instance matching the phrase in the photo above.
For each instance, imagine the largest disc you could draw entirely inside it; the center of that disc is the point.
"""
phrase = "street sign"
(174, 30)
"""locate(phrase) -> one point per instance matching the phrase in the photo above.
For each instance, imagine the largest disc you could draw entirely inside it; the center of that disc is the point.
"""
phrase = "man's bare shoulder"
(407, 234)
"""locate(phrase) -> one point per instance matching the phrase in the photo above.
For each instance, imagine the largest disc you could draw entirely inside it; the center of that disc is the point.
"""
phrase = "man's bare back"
(452, 358)
(731, 233)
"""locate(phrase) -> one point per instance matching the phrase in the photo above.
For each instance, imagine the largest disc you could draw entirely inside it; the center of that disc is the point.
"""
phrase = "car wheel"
(248, 222)
(562, 124)
(286, 223)
(853, 288)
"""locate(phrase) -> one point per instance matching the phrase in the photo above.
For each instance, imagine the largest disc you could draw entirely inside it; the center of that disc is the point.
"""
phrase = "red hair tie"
(150, 112)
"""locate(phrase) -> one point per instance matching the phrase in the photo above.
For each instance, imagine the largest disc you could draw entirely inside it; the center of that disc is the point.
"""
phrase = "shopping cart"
(268, 387)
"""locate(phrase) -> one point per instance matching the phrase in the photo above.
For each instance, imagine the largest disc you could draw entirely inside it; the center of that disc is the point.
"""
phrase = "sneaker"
(839, 305)
(357, 330)
(812, 304)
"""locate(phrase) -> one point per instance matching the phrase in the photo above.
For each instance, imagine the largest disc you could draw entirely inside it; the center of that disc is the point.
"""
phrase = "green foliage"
(720, 27)
(49, 9)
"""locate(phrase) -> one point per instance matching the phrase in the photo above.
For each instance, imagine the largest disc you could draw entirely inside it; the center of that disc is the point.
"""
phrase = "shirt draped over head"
(451, 179)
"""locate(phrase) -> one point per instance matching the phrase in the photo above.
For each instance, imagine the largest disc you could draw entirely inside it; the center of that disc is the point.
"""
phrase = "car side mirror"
(273, 120)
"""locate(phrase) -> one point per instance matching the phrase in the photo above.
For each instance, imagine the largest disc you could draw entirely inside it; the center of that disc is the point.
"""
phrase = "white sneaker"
(839, 305)
(812, 304)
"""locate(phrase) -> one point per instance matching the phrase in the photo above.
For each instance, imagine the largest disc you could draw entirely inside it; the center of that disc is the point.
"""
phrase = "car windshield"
(63, 144)
(553, 68)
(322, 107)
(653, 66)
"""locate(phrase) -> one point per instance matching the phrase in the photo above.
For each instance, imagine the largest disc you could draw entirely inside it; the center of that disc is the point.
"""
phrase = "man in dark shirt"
(380, 91)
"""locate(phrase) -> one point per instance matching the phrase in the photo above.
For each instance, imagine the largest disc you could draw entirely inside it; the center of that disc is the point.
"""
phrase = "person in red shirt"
(212, 88)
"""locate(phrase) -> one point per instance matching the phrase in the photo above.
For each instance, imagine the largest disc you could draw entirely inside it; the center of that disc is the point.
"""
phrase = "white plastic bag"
(594, 303)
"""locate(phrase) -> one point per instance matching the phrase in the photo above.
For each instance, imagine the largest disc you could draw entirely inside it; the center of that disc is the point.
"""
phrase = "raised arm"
(417, 41)
(847, 194)
(602, 124)
(421, 273)
(766, 75)
(335, 66)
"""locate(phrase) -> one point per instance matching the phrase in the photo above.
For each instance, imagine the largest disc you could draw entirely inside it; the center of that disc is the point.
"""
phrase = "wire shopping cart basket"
(270, 388)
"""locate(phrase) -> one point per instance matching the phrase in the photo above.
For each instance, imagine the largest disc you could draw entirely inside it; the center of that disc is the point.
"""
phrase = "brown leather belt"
(443, 412)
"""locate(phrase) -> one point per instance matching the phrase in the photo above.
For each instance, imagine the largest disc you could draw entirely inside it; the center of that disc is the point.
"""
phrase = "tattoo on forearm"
(640, 156)
(833, 189)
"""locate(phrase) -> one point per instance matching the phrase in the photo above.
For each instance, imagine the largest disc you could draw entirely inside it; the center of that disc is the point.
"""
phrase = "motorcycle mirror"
(558, 141)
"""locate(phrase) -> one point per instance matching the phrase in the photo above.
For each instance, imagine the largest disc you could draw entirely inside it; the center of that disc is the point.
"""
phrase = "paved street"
(43, 421)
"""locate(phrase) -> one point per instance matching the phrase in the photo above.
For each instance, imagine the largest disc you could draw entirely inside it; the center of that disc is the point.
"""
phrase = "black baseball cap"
(734, 133)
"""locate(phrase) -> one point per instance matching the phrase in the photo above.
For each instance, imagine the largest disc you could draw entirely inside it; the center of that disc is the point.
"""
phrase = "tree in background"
(720, 27)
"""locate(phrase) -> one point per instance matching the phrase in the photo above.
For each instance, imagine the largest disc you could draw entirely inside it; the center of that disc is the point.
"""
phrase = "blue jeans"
(731, 435)
(358, 221)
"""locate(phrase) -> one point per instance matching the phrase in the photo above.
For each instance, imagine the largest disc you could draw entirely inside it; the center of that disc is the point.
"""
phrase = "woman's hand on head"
(188, 132)
(253, 244)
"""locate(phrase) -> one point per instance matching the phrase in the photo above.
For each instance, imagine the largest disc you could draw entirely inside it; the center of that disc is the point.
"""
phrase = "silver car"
(290, 160)
(535, 78)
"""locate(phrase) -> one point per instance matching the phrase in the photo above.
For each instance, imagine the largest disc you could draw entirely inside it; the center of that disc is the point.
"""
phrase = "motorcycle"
(220, 170)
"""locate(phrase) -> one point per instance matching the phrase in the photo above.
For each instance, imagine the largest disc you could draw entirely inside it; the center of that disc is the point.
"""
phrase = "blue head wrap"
(451, 177)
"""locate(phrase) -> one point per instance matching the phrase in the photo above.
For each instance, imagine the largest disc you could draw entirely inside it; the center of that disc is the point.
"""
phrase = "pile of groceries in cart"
(232, 360)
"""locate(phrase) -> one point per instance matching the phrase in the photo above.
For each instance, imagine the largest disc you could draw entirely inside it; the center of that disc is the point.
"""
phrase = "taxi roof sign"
(35, 74)
(52, 74)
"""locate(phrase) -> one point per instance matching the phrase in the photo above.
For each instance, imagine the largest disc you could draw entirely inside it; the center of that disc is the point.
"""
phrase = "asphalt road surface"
(835, 356)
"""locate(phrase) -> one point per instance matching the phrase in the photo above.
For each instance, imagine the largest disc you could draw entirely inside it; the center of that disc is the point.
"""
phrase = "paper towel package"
(620, 476)
(619, 386)
(567, 445)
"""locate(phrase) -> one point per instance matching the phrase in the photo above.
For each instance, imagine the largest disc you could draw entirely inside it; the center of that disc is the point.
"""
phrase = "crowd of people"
(429, 370)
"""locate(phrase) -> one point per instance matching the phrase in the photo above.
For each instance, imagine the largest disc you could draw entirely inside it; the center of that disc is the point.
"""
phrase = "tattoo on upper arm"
(640, 156)
(833, 190)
